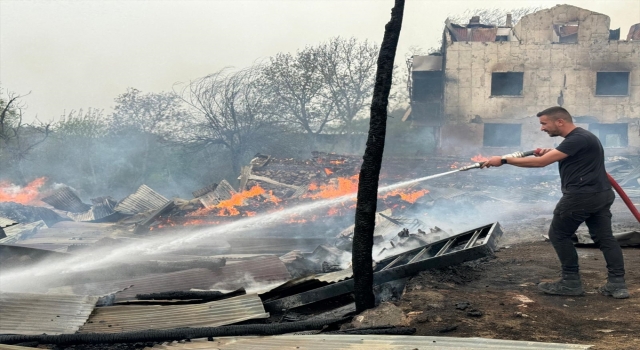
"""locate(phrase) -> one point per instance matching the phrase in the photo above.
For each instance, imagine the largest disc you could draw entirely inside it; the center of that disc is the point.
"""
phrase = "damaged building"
(483, 90)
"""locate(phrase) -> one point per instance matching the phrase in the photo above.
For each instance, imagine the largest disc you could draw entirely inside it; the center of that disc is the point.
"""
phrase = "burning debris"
(28, 194)
(311, 247)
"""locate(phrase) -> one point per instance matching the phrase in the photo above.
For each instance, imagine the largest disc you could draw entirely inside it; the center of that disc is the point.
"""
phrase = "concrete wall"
(553, 72)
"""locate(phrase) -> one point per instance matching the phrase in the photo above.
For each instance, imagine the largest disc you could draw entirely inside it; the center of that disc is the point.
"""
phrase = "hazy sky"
(79, 54)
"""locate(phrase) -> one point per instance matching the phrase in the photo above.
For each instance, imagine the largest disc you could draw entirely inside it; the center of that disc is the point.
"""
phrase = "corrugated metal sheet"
(4, 222)
(173, 281)
(244, 273)
(65, 199)
(365, 342)
(222, 192)
(201, 192)
(306, 283)
(262, 269)
(26, 313)
(142, 200)
(17, 232)
(98, 211)
(115, 319)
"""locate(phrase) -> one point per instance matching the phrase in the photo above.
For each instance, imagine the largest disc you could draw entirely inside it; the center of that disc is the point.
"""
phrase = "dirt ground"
(498, 298)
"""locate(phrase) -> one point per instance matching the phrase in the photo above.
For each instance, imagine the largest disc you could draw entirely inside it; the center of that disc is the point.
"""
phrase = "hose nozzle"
(518, 154)
(472, 166)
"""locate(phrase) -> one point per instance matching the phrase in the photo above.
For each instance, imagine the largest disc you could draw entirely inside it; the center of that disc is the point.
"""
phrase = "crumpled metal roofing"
(4, 222)
(142, 200)
(173, 281)
(202, 191)
(26, 313)
(365, 342)
(115, 319)
(230, 277)
(268, 268)
(65, 199)
(223, 191)
(297, 285)
(17, 232)
(102, 209)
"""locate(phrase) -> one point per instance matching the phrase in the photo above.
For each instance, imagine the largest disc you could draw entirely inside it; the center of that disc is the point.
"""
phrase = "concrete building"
(482, 92)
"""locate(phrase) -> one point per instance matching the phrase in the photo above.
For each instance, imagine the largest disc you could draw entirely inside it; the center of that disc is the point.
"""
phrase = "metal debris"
(144, 199)
(26, 313)
(222, 192)
(65, 199)
(115, 319)
(467, 246)
(338, 341)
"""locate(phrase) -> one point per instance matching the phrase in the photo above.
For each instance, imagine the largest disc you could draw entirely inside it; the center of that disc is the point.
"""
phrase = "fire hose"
(613, 182)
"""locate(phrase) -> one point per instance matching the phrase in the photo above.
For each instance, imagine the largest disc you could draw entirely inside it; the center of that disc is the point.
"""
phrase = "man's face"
(549, 126)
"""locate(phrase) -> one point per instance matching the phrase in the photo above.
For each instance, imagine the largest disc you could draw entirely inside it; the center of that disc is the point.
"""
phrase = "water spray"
(537, 151)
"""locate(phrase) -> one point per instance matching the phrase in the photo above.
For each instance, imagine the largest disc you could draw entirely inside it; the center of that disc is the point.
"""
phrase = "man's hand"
(493, 161)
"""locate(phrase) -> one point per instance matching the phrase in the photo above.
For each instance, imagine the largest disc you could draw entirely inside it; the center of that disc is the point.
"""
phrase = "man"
(586, 197)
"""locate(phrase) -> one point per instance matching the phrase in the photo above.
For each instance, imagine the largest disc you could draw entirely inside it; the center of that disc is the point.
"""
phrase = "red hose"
(624, 197)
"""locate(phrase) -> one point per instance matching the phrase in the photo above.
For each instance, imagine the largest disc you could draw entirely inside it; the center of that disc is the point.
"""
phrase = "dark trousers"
(594, 210)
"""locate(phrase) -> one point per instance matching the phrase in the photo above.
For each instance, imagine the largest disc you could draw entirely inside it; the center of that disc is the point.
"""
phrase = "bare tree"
(151, 117)
(18, 139)
(83, 130)
(227, 108)
(348, 70)
(372, 162)
(153, 113)
(295, 84)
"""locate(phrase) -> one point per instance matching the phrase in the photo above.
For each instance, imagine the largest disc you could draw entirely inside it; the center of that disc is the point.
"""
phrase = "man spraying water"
(587, 197)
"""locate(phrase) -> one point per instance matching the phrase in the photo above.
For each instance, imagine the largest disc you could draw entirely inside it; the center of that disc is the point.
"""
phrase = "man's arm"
(547, 158)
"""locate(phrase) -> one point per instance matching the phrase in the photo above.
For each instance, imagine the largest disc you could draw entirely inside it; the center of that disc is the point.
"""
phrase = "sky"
(71, 55)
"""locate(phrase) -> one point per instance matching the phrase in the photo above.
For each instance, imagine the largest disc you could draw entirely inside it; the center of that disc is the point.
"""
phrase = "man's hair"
(555, 113)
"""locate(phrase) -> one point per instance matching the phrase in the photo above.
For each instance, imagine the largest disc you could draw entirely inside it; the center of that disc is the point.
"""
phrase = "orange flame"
(454, 165)
(410, 197)
(337, 162)
(479, 158)
(25, 195)
(228, 207)
(328, 171)
(338, 188)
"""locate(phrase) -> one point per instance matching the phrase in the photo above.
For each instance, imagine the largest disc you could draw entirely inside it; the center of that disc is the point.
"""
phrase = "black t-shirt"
(583, 170)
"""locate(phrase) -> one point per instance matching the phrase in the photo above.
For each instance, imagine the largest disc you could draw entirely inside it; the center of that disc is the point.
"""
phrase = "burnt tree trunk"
(370, 170)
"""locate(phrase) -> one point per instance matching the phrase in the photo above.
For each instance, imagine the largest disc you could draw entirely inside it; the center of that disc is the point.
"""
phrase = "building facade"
(482, 92)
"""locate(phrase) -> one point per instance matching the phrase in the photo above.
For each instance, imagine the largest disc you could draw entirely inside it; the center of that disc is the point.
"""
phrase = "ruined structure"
(483, 90)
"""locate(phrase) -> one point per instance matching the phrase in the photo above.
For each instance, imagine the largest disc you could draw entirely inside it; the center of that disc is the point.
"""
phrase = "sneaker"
(562, 287)
(616, 290)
